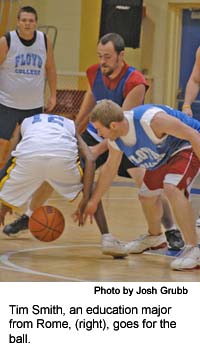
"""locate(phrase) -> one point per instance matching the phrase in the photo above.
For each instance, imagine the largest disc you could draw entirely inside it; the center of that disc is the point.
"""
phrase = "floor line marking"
(5, 259)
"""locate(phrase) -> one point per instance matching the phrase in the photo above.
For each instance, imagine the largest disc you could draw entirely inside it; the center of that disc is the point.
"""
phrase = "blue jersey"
(100, 92)
(147, 150)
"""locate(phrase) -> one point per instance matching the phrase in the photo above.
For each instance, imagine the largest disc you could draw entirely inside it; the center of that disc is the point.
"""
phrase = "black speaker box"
(123, 17)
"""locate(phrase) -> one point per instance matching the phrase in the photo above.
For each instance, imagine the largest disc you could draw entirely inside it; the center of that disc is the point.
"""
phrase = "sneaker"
(16, 226)
(198, 222)
(111, 246)
(174, 239)
(144, 242)
(189, 258)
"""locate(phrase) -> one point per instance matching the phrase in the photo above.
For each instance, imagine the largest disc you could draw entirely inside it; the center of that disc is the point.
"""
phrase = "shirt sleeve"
(146, 124)
(91, 74)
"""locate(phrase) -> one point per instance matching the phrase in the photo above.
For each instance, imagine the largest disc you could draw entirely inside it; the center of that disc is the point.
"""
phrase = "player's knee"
(150, 198)
(170, 190)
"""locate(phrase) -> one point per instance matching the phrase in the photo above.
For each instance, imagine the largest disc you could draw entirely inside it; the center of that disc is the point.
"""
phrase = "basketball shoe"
(189, 258)
(144, 242)
(174, 239)
(111, 246)
(16, 226)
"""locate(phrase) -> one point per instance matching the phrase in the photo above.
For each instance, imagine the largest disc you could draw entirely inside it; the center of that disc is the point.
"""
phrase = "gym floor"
(76, 256)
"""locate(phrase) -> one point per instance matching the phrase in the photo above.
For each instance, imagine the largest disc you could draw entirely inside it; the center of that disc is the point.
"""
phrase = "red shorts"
(179, 171)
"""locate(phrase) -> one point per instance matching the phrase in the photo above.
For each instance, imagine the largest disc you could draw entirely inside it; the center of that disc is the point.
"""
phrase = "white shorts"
(26, 176)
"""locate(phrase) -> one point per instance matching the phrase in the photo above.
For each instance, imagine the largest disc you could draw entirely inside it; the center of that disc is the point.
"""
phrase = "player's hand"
(50, 104)
(78, 215)
(84, 211)
(90, 210)
(4, 209)
(187, 110)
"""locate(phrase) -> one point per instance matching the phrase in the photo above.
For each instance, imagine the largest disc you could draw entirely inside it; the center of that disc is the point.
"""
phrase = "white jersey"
(49, 136)
(22, 74)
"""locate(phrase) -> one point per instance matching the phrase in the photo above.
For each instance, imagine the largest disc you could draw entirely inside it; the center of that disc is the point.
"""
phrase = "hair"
(28, 9)
(106, 112)
(116, 39)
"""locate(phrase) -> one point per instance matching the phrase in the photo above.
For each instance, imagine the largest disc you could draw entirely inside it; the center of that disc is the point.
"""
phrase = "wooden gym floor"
(77, 257)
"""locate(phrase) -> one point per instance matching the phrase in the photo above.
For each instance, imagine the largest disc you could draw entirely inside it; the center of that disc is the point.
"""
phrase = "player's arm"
(88, 178)
(135, 97)
(163, 124)
(82, 117)
(4, 209)
(51, 76)
(3, 49)
(108, 172)
(99, 148)
(192, 87)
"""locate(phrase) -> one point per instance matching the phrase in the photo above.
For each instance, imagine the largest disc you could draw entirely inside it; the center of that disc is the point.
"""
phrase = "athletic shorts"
(10, 117)
(180, 171)
(24, 176)
(125, 163)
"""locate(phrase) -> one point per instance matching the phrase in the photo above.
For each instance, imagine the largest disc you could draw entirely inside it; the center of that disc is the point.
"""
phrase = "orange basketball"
(46, 223)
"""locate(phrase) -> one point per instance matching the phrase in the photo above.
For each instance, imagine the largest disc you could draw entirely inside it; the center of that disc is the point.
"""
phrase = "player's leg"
(173, 235)
(109, 244)
(21, 180)
(154, 238)
(39, 197)
(4, 151)
(177, 189)
(150, 198)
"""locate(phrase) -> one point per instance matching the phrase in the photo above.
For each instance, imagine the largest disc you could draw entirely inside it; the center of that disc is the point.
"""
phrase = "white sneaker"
(189, 258)
(144, 242)
(198, 222)
(111, 246)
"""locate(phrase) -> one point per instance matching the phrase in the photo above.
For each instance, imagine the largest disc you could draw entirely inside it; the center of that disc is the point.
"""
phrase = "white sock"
(171, 228)
(29, 212)
(107, 235)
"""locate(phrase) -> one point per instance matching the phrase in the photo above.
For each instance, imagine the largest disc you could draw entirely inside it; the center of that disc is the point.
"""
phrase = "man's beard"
(108, 72)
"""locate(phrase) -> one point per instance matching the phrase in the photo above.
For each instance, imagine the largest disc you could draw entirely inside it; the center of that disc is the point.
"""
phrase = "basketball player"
(48, 152)
(26, 58)
(167, 143)
(114, 79)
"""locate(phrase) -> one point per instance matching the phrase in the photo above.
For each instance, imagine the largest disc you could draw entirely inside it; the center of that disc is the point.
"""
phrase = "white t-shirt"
(48, 135)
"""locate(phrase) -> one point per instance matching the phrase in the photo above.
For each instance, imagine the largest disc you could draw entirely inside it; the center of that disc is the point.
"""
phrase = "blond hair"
(106, 112)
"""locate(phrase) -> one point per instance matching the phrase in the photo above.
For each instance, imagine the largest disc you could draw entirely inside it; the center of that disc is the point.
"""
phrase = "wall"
(158, 15)
(65, 15)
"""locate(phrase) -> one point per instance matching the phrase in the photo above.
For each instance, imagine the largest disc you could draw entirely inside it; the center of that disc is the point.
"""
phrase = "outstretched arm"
(135, 97)
(107, 174)
(51, 76)
(3, 49)
(163, 124)
(82, 117)
(88, 178)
